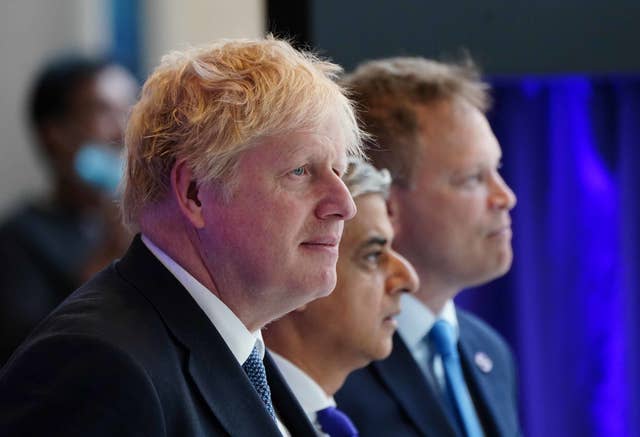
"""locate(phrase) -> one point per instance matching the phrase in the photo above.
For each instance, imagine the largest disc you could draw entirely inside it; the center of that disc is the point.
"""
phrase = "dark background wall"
(517, 37)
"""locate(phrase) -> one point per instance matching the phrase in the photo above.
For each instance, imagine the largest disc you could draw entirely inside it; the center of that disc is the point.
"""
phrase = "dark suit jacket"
(392, 397)
(42, 249)
(131, 353)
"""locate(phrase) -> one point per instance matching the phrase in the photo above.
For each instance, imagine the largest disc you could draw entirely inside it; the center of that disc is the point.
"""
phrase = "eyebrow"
(374, 241)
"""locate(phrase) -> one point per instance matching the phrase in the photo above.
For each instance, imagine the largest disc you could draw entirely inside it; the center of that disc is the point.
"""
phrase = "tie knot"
(335, 423)
(443, 338)
(252, 361)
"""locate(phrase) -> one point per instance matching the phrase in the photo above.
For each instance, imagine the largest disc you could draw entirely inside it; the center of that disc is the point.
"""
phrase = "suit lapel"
(485, 384)
(404, 379)
(214, 369)
(287, 407)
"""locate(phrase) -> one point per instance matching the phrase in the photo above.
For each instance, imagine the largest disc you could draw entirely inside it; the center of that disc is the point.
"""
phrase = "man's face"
(453, 222)
(276, 238)
(356, 321)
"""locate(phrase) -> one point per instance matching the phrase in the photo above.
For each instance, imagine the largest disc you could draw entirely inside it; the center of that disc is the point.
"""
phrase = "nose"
(336, 201)
(502, 197)
(402, 277)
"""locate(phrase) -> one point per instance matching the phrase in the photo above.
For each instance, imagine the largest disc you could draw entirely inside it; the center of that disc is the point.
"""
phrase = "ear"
(186, 191)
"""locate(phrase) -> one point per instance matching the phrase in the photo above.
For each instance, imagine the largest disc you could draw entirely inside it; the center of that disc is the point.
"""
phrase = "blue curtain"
(569, 306)
(126, 27)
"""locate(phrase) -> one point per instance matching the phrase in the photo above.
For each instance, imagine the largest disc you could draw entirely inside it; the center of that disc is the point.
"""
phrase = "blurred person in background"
(77, 110)
(319, 344)
(449, 374)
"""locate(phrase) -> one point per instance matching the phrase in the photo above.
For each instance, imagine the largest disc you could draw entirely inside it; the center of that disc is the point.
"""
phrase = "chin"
(502, 264)
(495, 273)
(505, 263)
(326, 285)
(384, 351)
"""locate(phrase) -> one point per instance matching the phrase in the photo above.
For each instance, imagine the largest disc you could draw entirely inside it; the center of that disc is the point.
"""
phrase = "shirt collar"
(311, 396)
(416, 319)
(234, 333)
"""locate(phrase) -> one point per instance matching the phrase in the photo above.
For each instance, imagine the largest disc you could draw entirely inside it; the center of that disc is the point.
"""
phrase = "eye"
(473, 179)
(373, 257)
(298, 171)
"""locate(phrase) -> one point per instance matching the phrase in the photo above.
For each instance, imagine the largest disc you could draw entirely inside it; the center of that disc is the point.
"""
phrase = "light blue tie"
(254, 368)
(442, 336)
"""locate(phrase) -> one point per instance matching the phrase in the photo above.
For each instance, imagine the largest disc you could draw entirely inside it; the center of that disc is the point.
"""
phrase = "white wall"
(175, 24)
(32, 31)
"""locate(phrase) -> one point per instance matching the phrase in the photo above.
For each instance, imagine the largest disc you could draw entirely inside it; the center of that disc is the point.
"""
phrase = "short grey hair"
(363, 178)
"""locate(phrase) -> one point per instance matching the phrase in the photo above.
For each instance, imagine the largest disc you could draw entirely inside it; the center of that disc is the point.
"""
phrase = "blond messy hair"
(208, 104)
(388, 93)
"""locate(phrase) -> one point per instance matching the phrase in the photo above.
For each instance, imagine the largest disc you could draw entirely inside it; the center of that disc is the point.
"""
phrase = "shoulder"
(77, 384)
(109, 312)
(474, 329)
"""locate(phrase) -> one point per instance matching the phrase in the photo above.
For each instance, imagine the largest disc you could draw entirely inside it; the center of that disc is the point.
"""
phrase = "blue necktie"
(254, 368)
(335, 423)
(442, 336)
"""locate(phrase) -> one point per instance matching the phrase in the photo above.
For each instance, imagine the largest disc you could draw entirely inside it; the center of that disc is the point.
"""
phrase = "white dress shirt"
(414, 323)
(311, 396)
(234, 333)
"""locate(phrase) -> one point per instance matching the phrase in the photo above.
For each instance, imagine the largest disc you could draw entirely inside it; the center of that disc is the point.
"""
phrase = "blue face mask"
(99, 166)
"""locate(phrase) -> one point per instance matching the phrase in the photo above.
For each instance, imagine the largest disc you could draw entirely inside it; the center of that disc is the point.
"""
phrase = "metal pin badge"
(484, 363)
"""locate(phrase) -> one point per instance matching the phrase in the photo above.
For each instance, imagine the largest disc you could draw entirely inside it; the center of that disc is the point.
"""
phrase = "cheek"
(283, 214)
(350, 295)
(368, 295)
(455, 216)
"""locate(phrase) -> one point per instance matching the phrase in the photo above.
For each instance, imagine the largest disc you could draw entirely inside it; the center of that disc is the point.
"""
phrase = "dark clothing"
(393, 397)
(42, 251)
(131, 353)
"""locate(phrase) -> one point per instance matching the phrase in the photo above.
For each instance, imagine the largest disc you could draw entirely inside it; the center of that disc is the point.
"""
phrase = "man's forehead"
(371, 223)
(309, 144)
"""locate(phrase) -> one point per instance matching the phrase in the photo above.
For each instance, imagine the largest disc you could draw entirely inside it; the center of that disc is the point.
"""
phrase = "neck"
(308, 353)
(179, 241)
(73, 200)
(434, 294)
(329, 375)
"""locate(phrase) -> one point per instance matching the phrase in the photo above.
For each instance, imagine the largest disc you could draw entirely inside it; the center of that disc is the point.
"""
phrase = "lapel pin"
(484, 363)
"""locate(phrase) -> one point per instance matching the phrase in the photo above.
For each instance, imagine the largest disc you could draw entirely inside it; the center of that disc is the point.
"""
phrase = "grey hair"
(363, 178)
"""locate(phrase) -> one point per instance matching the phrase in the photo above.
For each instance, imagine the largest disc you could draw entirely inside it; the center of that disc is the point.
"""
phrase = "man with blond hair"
(234, 157)
(319, 344)
(449, 373)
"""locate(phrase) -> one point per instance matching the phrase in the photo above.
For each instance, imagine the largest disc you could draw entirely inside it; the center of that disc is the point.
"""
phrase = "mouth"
(326, 243)
(501, 232)
(390, 319)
